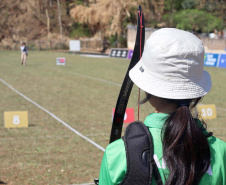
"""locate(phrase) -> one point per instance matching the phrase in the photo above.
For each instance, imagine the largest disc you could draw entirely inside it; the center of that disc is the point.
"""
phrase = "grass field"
(81, 95)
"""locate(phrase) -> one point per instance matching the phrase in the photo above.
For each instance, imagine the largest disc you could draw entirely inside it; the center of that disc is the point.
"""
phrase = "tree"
(217, 8)
(194, 20)
(110, 16)
(195, 15)
(60, 23)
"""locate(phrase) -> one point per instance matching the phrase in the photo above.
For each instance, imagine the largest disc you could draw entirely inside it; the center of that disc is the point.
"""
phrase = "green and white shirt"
(113, 167)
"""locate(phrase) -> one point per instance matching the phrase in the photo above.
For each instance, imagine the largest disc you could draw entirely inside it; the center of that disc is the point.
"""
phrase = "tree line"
(107, 19)
(110, 18)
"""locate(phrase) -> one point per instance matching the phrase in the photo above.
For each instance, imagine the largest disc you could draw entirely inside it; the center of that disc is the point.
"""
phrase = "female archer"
(171, 74)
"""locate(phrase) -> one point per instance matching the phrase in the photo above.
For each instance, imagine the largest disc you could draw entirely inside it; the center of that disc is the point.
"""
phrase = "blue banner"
(130, 54)
(222, 61)
(211, 59)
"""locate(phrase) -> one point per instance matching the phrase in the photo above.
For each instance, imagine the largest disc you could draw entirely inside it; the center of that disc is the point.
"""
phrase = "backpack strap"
(139, 156)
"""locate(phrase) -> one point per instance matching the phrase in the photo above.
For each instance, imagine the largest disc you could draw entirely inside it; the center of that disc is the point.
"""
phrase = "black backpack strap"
(139, 156)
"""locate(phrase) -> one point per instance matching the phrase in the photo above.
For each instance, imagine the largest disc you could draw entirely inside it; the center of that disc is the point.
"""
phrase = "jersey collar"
(157, 120)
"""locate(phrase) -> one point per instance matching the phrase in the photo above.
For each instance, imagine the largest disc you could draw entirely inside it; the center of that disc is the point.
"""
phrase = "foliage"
(104, 16)
(116, 41)
(122, 41)
(79, 2)
(78, 30)
(172, 5)
(111, 17)
(214, 7)
(188, 4)
(174, 8)
(113, 41)
(194, 20)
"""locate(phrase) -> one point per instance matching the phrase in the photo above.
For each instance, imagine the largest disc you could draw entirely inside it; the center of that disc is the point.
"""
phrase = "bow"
(127, 84)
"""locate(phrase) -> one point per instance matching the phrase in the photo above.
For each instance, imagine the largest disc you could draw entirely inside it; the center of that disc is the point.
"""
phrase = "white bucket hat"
(172, 66)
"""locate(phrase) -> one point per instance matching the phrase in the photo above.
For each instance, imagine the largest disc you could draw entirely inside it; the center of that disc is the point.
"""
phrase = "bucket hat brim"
(160, 86)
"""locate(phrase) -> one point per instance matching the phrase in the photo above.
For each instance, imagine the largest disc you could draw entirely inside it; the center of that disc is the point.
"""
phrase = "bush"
(194, 20)
(78, 30)
(113, 41)
(116, 41)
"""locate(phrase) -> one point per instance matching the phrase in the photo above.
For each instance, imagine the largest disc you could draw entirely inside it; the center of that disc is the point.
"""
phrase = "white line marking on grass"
(95, 78)
(95, 56)
(93, 135)
(55, 117)
(113, 83)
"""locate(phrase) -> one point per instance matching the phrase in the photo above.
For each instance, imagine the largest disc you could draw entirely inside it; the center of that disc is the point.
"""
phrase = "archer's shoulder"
(217, 144)
(115, 149)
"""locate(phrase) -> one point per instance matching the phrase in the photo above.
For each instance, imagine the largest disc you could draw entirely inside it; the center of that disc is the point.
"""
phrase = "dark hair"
(23, 43)
(185, 147)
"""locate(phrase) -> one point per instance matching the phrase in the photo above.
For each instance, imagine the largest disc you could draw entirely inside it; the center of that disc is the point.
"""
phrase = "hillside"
(27, 21)
(36, 22)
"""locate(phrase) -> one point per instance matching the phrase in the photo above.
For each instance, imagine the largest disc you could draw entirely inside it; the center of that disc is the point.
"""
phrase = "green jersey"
(114, 167)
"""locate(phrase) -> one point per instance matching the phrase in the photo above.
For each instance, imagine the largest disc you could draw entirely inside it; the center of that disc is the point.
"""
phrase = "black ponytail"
(185, 148)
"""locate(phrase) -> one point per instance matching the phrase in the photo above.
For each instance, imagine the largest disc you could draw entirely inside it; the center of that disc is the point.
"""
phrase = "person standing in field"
(24, 53)
(171, 74)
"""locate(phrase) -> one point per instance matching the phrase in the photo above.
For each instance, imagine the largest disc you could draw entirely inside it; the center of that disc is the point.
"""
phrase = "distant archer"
(24, 53)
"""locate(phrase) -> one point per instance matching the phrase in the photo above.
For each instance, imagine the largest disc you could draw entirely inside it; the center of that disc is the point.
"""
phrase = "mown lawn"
(81, 95)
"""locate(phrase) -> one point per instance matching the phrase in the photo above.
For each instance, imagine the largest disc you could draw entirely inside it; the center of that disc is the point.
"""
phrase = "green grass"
(47, 152)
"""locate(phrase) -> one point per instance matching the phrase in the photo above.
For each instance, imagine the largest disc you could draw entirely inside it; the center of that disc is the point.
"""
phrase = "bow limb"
(127, 84)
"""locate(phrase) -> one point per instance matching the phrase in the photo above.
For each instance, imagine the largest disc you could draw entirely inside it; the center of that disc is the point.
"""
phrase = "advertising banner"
(130, 54)
(119, 53)
(211, 59)
(60, 61)
(222, 61)
(74, 45)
